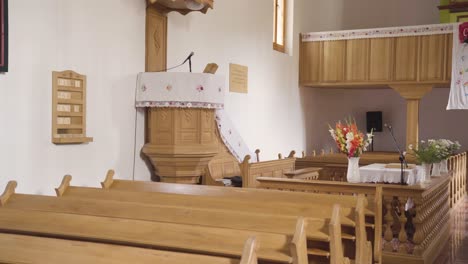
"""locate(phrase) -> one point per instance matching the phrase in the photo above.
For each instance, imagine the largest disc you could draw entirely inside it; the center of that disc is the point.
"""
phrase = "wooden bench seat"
(158, 235)
(317, 229)
(31, 249)
(232, 203)
(250, 194)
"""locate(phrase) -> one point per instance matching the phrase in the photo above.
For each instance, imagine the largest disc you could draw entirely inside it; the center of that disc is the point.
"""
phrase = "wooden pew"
(272, 168)
(30, 249)
(257, 195)
(295, 204)
(122, 210)
(158, 235)
(374, 208)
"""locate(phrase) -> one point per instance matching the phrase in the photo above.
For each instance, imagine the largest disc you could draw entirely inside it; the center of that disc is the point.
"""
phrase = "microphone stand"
(402, 157)
(190, 63)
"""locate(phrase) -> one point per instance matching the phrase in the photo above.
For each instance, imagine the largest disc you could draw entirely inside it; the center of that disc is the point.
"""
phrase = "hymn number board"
(69, 108)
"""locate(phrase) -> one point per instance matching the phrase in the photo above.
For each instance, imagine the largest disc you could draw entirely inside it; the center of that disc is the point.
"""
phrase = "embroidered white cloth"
(232, 138)
(458, 98)
(192, 90)
(379, 32)
(179, 89)
(378, 173)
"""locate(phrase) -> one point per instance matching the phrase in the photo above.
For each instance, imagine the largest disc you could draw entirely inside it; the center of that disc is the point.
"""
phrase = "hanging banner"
(458, 98)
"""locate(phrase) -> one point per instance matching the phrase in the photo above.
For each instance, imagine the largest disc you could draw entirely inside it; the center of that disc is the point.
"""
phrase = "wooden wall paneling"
(448, 57)
(432, 58)
(381, 59)
(333, 61)
(357, 60)
(310, 62)
(406, 58)
(156, 40)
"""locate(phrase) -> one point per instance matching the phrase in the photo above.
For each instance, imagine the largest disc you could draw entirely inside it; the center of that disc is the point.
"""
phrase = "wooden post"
(413, 94)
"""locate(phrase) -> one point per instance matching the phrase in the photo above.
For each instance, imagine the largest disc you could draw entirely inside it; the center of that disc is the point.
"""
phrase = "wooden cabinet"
(377, 61)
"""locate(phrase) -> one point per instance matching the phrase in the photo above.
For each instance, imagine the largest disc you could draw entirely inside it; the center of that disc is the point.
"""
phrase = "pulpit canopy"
(182, 6)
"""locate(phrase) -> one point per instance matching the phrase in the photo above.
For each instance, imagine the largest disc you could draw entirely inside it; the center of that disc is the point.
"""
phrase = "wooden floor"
(456, 249)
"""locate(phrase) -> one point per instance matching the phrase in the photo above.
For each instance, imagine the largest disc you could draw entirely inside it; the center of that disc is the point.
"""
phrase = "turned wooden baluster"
(402, 237)
(388, 219)
(419, 233)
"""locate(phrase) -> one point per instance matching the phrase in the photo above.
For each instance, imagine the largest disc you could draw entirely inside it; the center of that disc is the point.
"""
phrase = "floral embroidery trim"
(179, 104)
(379, 32)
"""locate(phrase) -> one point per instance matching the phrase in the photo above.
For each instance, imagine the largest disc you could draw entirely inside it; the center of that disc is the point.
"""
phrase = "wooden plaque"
(238, 78)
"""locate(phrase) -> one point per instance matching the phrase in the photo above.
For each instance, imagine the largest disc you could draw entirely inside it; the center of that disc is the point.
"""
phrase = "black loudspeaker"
(374, 121)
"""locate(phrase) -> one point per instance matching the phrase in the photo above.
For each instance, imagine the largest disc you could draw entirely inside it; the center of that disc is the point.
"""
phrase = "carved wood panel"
(156, 40)
(406, 54)
(357, 59)
(333, 61)
(433, 52)
(163, 133)
(381, 59)
(310, 62)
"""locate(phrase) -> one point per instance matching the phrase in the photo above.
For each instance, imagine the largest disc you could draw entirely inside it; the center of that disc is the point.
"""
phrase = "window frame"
(276, 45)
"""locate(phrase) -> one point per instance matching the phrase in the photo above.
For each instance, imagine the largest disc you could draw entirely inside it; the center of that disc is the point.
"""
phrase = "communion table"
(379, 173)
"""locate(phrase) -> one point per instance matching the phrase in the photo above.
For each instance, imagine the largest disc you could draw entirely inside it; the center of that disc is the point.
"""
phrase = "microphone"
(189, 57)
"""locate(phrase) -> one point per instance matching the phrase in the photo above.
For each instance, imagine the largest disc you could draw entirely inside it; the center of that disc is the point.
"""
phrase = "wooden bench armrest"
(63, 185)
(249, 254)
(109, 180)
(9, 190)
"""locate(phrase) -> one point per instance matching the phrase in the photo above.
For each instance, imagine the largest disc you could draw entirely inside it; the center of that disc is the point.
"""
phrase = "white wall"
(102, 39)
(270, 116)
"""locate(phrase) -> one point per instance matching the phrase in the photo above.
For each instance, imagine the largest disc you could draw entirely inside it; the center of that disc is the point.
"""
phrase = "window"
(279, 25)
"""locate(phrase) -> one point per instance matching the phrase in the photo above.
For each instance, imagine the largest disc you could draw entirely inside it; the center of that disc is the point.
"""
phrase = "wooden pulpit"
(181, 126)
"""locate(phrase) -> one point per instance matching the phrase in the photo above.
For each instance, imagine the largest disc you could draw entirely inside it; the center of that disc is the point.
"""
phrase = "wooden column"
(413, 94)
(156, 40)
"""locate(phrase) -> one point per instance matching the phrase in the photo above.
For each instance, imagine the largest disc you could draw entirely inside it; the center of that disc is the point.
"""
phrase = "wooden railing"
(412, 234)
(458, 188)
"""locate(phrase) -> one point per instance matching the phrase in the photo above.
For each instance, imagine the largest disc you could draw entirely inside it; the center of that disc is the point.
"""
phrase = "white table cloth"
(180, 89)
(378, 173)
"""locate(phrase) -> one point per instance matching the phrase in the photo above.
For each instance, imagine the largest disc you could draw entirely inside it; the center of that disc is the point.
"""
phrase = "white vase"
(443, 167)
(425, 172)
(435, 169)
(352, 174)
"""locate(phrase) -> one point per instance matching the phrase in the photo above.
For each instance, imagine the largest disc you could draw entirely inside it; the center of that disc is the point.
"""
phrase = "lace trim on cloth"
(379, 32)
(179, 104)
(231, 137)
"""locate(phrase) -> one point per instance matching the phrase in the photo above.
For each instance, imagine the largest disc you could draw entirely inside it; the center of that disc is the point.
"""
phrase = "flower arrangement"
(349, 139)
(434, 151)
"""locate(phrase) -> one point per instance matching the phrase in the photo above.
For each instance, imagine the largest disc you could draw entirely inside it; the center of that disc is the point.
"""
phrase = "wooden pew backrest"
(32, 249)
(271, 168)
